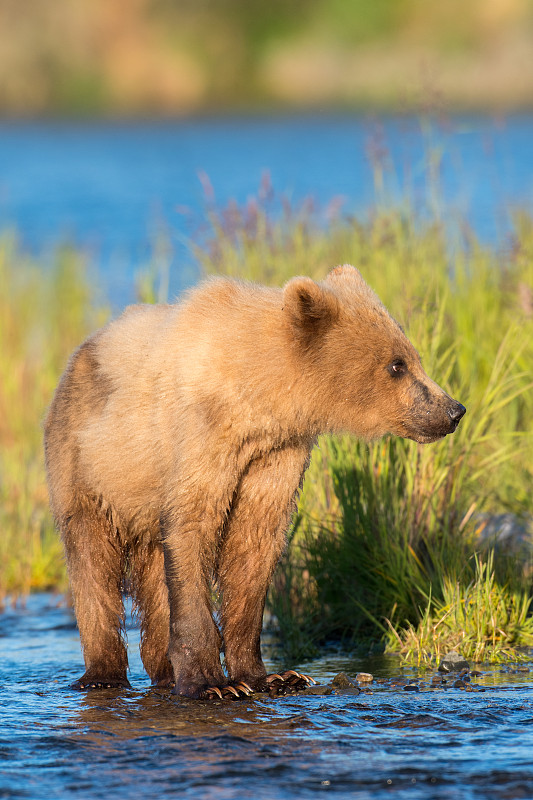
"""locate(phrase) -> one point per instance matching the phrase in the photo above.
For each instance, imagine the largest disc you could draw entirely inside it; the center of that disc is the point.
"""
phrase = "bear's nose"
(456, 412)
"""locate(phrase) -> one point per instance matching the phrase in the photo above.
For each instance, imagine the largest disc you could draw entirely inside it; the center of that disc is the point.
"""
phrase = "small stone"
(459, 684)
(318, 690)
(453, 662)
(364, 677)
(475, 673)
(411, 687)
(398, 681)
(342, 681)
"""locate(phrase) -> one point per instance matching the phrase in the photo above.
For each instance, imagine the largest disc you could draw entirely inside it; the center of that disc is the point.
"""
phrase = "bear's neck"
(269, 387)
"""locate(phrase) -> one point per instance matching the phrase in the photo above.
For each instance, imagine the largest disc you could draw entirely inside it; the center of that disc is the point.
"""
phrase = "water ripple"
(144, 742)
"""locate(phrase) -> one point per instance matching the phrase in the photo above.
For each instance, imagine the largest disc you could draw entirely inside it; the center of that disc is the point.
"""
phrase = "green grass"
(45, 311)
(484, 619)
(387, 533)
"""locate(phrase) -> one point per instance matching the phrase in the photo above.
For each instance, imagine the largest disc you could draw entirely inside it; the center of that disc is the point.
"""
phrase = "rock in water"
(453, 662)
(342, 681)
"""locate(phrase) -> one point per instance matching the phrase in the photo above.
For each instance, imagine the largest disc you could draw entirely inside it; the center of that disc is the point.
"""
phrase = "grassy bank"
(388, 543)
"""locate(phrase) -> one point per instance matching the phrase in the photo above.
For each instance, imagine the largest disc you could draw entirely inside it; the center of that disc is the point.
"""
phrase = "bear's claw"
(213, 690)
(287, 682)
(290, 680)
(228, 691)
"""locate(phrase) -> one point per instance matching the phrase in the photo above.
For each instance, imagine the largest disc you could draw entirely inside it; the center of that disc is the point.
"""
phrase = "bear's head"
(357, 371)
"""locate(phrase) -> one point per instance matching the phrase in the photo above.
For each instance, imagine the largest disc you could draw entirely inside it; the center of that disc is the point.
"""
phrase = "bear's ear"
(345, 272)
(310, 307)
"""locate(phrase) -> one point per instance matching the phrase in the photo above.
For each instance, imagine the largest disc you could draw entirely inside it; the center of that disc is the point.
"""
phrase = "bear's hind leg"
(95, 566)
(253, 542)
(150, 594)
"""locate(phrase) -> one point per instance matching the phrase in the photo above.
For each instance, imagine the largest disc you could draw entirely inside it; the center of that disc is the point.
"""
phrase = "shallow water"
(57, 743)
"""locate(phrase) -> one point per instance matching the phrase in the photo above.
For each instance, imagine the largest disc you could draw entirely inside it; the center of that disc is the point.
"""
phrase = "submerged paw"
(84, 684)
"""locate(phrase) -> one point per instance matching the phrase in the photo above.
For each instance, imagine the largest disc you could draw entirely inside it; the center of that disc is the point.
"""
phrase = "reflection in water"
(145, 742)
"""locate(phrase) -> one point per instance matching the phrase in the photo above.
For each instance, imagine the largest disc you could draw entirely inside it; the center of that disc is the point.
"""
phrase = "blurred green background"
(177, 56)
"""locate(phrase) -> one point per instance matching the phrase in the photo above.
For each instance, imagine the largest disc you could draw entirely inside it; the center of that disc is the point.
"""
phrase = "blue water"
(58, 744)
(111, 187)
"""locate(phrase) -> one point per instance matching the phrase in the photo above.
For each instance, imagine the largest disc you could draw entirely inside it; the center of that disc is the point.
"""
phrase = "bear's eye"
(397, 368)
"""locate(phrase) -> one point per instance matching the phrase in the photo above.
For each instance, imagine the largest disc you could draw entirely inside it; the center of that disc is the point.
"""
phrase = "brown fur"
(176, 445)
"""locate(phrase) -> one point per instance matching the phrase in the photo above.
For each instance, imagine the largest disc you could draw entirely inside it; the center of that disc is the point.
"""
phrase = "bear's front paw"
(288, 682)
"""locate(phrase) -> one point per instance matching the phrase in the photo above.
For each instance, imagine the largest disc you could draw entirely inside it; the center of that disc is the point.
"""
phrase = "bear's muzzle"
(456, 413)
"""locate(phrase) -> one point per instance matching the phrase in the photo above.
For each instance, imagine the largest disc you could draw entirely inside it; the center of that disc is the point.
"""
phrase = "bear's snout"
(456, 412)
(431, 416)
(445, 419)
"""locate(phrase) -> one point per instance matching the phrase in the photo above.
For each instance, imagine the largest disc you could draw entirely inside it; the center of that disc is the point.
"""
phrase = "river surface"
(112, 188)
(146, 743)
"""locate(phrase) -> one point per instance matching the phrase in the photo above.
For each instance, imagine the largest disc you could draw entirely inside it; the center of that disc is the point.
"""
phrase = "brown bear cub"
(176, 445)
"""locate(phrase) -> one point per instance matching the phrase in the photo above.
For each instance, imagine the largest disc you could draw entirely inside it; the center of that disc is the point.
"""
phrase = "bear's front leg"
(254, 539)
(189, 530)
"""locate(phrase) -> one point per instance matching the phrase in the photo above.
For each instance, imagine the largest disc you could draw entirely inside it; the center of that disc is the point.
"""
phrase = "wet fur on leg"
(253, 542)
(96, 571)
(150, 595)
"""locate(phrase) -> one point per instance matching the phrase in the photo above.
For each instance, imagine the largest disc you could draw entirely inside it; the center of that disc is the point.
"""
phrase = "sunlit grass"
(482, 619)
(45, 311)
